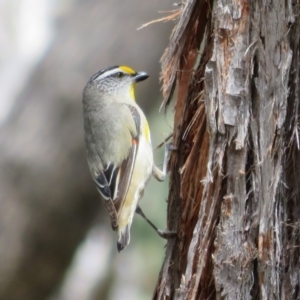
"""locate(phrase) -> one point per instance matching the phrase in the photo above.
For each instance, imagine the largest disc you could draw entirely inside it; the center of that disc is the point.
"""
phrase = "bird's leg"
(158, 174)
(162, 233)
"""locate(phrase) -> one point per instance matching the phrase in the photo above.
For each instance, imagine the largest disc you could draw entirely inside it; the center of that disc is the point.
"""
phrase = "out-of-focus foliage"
(48, 202)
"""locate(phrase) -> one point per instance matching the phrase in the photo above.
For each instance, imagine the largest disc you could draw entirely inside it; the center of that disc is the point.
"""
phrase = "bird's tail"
(123, 237)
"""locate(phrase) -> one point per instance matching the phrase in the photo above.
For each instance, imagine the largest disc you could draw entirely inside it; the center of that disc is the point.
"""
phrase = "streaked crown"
(116, 78)
(113, 72)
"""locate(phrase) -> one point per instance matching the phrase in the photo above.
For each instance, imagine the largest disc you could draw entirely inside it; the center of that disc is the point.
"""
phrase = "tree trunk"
(234, 193)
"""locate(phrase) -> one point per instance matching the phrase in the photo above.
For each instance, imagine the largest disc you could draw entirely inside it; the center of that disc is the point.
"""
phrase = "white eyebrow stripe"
(108, 73)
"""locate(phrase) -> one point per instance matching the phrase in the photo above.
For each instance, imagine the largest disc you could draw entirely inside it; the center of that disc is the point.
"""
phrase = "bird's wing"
(113, 182)
(104, 189)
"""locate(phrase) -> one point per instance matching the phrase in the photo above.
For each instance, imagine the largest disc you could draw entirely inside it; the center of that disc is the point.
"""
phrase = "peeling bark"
(234, 66)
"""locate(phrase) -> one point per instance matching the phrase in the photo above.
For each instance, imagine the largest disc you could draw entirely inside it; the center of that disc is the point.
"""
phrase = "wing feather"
(125, 175)
(104, 189)
(106, 181)
(126, 170)
(113, 183)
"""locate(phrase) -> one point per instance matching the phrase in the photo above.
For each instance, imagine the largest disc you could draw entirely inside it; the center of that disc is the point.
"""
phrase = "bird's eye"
(119, 74)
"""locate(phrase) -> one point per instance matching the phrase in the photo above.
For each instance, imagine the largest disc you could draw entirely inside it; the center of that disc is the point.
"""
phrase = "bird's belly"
(141, 174)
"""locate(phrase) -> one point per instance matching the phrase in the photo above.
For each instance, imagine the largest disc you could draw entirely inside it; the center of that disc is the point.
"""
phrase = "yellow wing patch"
(127, 70)
(146, 132)
(132, 91)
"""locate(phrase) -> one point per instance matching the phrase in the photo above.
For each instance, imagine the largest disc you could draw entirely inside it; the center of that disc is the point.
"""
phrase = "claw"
(166, 234)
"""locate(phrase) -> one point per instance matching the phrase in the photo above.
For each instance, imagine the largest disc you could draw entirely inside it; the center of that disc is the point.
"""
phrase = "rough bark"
(233, 67)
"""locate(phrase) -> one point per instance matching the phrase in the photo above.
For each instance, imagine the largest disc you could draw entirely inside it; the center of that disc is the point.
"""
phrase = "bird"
(118, 146)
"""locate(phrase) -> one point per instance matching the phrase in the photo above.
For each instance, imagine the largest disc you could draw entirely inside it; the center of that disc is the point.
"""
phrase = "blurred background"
(56, 241)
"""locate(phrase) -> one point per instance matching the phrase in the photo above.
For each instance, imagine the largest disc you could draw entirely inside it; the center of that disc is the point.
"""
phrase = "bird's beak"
(140, 76)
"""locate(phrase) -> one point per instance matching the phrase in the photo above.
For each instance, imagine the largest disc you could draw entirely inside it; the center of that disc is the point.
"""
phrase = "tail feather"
(123, 237)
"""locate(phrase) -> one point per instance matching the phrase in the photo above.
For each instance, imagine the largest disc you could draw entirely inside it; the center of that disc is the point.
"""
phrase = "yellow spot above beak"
(127, 70)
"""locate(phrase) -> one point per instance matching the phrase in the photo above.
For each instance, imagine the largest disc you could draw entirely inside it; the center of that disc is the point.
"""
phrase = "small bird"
(118, 143)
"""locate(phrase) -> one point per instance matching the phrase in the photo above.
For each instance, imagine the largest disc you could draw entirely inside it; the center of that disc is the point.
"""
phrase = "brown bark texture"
(233, 67)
